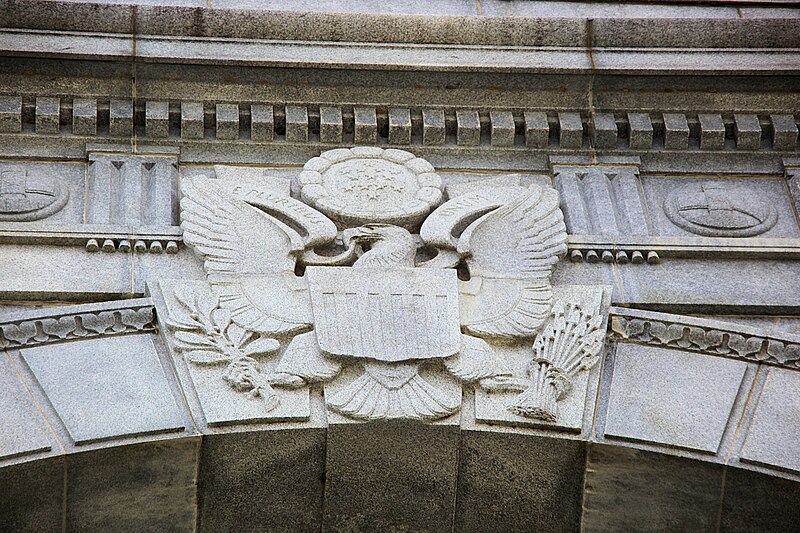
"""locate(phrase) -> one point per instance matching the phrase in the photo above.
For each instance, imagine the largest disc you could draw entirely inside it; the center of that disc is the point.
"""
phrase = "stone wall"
(595, 324)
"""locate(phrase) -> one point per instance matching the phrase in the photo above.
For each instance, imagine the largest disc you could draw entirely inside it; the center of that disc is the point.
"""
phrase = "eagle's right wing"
(234, 237)
(249, 257)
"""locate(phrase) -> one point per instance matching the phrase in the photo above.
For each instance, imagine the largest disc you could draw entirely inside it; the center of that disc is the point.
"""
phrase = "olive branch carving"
(205, 335)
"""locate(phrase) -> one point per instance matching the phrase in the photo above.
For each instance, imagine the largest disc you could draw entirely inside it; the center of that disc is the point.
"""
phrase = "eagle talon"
(502, 384)
(284, 379)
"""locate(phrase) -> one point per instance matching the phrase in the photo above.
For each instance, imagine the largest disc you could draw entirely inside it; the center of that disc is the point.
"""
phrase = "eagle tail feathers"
(378, 395)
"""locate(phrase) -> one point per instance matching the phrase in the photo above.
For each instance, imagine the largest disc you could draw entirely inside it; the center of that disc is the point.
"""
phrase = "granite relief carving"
(350, 266)
(713, 210)
(24, 197)
(406, 328)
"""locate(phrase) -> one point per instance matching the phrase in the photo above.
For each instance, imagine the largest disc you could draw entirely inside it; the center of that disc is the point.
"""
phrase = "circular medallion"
(367, 184)
(24, 198)
(714, 210)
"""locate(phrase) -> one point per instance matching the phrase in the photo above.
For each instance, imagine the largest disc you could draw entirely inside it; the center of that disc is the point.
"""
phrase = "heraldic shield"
(388, 315)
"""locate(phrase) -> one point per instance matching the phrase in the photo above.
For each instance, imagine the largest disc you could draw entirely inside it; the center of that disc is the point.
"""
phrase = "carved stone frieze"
(705, 336)
(391, 332)
(713, 209)
(80, 323)
(24, 197)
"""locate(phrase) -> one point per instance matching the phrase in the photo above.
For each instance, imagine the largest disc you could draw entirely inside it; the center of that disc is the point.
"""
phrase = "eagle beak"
(362, 233)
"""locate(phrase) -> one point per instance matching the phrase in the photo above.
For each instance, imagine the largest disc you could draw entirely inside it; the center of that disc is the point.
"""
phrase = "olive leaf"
(261, 346)
(187, 340)
(206, 357)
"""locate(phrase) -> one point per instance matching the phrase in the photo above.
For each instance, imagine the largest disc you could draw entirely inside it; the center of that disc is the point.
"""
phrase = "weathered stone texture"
(263, 480)
(672, 397)
(119, 379)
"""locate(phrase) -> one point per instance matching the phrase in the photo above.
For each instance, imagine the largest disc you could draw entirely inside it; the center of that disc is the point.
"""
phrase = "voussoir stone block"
(672, 397)
(23, 430)
(377, 479)
(105, 388)
(519, 483)
(771, 437)
(32, 496)
(634, 490)
(262, 481)
(148, 486)
(755, 501)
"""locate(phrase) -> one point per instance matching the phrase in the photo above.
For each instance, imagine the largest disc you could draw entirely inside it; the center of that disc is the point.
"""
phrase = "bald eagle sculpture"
(252, 243)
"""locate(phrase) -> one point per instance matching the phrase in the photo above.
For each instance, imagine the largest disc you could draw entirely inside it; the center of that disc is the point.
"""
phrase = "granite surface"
(670, 132)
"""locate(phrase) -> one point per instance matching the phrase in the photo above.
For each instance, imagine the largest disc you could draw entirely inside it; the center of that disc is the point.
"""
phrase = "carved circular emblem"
(25, 198)
(367, 184)
(714, 210)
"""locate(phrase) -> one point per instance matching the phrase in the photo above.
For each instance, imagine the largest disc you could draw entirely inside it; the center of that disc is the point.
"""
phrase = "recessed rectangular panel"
(719, 207)
(672, 397)
(772, 437)
(106, 387)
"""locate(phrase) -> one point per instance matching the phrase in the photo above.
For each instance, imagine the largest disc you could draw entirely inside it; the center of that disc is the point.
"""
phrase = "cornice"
(248, 52)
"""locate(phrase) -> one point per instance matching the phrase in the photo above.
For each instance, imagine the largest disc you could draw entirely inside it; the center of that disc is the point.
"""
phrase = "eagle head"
(389, 246)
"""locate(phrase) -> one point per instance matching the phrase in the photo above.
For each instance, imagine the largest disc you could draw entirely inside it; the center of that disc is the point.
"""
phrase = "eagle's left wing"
(510, 253)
